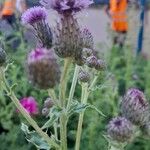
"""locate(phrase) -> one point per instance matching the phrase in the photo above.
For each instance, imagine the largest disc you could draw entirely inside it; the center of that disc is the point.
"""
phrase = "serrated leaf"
(34, 138)
(76, 107)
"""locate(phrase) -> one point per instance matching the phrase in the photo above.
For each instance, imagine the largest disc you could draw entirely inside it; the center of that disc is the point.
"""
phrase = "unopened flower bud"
(2, 57)
(42, 67)
(48, 103)
(91, 61)
(87, 52)
(45, 111)
(84, 76)
(120, 129)
(135, 107)
(100, 65)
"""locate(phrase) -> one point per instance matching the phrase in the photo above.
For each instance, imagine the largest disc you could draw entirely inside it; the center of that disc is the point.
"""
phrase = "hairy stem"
(74, 82)
(62, 98)
(116, 148)
(63, 81)
(24, 112)
(84, 98)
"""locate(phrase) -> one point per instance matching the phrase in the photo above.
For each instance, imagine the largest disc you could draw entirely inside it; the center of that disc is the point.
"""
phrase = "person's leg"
(122, 39)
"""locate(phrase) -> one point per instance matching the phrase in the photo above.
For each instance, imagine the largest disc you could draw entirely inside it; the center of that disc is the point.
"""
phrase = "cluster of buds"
(48, 104)
(120, 129)
(94, 62)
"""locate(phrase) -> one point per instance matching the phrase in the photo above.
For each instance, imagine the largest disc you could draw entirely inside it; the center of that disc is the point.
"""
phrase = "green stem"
(73, 86)
(116, 148)
(85, 94)
(62, 98)
(63, 132)
(24, 112)
(63, 81)
(84, 98)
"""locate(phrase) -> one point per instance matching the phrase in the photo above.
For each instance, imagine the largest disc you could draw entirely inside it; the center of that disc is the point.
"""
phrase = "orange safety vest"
(8, 7)
(119, 16)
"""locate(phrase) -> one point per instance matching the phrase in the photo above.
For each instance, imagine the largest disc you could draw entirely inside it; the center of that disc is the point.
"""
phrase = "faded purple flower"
(42, 67)
(34, 15)
(66, 6)
(120, 129)
(30, 104)
(135, 107)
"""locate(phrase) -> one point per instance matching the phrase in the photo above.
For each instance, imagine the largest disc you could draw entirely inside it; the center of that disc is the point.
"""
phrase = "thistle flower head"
(66, 6)
(100, 65)
(2, 57)
(48, 103)
(120, 129)
(135, 107)
(30, 104)
(34, 15)
(42, 67)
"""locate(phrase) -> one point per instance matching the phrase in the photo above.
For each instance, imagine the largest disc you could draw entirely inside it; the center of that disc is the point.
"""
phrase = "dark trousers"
(10, 19)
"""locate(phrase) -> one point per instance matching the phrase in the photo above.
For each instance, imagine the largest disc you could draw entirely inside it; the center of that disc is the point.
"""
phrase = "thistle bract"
(135, 107)
(91, 61)
(43, 70)
(120, 129)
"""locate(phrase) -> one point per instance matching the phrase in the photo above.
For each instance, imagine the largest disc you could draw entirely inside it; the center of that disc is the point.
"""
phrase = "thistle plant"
(73, 45)
(133, 123)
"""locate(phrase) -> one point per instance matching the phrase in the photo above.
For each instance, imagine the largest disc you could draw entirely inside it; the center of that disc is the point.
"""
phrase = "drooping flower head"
(135, 107)
(42, 67)
(120, 129)
(30, 104)
(34, 15)
(66, 6)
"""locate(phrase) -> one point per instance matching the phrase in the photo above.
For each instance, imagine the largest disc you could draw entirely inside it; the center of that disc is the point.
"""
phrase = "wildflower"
(84, 76)
(66, 6)
(2, 57)
(30, 104)
(120, 129)
(42, 67)
(135, 107)
(36, 16)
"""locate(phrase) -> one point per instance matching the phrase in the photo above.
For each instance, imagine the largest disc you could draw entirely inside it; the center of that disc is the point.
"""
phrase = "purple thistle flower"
(120, 129)
(42, 67)
(30, 104)
(66, 6)
(135, 107)
(34, 15)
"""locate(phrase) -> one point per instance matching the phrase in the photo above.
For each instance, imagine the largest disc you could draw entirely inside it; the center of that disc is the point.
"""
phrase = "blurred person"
(116, 10)
(21, 6)
(8, 11)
